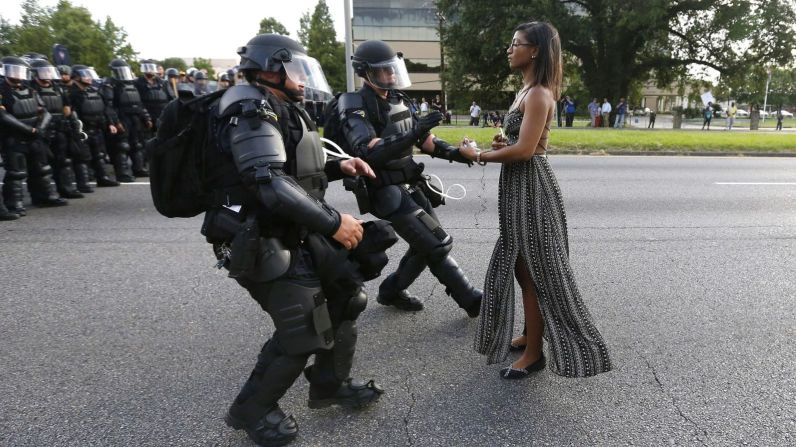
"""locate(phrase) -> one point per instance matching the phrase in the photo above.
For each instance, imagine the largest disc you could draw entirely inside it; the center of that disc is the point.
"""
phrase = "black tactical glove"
(428, 122)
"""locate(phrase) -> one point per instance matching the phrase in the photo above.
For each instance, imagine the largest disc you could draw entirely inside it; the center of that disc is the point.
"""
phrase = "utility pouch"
(359, 186)
(221, 224)
(244, 249)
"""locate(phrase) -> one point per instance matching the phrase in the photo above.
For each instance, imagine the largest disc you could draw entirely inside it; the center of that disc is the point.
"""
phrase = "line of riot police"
(60, 126)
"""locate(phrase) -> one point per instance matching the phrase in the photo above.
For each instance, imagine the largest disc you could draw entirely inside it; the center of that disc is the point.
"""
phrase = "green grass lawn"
(596, 140)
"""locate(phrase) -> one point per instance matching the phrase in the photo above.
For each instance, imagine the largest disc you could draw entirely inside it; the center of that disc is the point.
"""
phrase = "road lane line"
(754, 183)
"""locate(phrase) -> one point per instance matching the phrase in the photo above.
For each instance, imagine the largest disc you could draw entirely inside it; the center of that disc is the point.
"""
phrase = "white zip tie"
(340, 153)
(442, 188)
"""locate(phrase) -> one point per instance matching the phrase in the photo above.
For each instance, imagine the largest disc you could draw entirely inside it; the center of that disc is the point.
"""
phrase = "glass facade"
(409, 26)
(395, 20)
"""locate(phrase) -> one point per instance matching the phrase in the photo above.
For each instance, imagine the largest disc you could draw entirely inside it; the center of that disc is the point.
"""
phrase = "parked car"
(786, 114)
(643, 112)
(742, 113)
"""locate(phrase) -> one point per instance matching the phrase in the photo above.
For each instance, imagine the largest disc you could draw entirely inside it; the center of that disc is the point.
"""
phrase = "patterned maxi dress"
(533, 225)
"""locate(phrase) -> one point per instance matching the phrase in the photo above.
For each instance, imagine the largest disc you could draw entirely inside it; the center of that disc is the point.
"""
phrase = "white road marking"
(754, 183)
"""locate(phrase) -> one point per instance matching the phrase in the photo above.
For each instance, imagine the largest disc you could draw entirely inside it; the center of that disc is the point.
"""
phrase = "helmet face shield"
(20, 72)
(307, 71)
(123, 73)
(389, 74)
(87, 73)
(149, 68)
(47, 73)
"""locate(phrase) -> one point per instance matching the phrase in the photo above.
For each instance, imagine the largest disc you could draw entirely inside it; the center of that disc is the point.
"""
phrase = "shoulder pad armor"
(350, 101)
(236, 94)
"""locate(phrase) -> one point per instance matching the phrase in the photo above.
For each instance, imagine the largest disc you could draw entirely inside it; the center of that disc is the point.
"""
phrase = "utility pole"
(349, 70)
(442, 20)
(765, 99)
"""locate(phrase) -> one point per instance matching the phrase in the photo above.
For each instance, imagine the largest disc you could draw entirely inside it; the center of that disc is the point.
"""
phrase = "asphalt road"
(116, 330)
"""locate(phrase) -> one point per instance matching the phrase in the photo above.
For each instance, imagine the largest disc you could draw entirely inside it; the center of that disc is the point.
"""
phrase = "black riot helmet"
(15, 70)
(172, 73)
(280, 54)
(85, 75)
(120, 70)
(149, 67)
(42, 70)
(376, 61)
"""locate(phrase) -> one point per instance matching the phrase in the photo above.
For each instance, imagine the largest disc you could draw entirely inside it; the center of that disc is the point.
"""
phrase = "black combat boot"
(82, 178)
(5, 214)
(122, 167)
(65, 182)
(99, 173)
(392, 291)
(139, 168)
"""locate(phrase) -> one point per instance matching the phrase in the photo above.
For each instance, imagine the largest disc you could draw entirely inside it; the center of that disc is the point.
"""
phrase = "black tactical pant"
(413, 218)
(277, 367)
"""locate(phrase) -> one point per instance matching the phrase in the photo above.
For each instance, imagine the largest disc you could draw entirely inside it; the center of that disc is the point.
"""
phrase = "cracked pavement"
(118, 330)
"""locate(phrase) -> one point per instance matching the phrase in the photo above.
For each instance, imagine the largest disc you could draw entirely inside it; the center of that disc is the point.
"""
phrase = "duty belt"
(407, 174)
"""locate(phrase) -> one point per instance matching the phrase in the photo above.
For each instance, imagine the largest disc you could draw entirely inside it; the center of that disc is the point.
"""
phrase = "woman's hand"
(468, 149)
(499, 142)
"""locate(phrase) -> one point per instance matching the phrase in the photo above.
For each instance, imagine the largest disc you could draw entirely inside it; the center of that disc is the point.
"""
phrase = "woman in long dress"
(533, 245)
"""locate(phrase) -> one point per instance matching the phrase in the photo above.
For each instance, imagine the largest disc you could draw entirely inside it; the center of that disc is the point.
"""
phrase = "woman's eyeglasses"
(518, 44)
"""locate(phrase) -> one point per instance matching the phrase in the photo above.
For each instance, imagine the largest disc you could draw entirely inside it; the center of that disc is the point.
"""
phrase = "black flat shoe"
(510, 373)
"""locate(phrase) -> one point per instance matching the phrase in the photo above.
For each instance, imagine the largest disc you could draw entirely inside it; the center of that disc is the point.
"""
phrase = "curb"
(672, 153)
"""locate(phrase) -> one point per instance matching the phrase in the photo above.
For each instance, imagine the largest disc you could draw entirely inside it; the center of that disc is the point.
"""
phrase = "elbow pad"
(393, 147)
(11, 122)
(282, 195)
(443, 149)
(356, 128)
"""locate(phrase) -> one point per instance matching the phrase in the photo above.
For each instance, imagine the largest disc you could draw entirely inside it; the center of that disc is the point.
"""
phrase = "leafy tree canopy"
(270, 25)
(616, 43)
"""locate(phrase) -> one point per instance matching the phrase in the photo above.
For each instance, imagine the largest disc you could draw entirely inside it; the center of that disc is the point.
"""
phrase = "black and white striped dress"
(533, 225)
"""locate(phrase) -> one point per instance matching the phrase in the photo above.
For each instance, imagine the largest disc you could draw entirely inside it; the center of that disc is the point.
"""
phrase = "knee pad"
(301, 317)
(123, 147)
(440, 252)
(356, 304)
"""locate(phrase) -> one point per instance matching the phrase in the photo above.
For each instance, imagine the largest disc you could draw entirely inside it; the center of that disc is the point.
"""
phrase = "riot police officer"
(98, 116)
(292, 254)
(172, 79)
(133, 119)
(57, 136)
(4, 213)
(378, 125)
(152, 89)
(24, 118)
(201, 83)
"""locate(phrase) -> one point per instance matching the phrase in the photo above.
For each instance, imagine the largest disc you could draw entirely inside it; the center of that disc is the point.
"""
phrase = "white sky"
(160, 29)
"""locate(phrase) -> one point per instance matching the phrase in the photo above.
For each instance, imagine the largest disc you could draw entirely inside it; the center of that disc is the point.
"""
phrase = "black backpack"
(177, 156)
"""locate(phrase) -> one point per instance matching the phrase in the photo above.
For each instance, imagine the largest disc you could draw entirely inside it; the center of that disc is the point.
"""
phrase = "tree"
(175, 62)
(270, 25)
(619, 42)
(316, 33)
(89, 42)
(204, 64)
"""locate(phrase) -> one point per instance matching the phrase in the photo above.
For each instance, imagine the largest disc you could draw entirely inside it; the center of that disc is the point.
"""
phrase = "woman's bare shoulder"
(539, 93)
